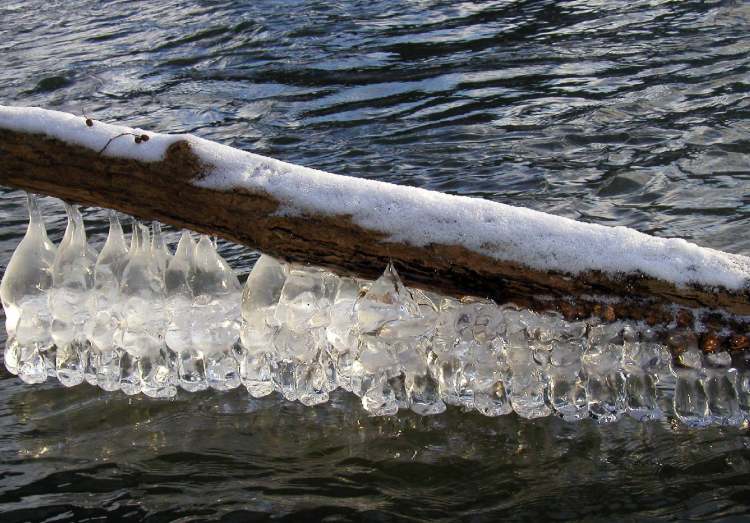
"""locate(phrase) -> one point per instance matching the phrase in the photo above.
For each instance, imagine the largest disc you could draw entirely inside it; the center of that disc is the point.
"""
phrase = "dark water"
(622, 113)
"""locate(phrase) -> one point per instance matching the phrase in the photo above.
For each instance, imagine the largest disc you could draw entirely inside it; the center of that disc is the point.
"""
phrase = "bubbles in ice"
(23, 289)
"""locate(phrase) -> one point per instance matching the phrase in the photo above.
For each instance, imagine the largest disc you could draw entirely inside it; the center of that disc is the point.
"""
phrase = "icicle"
(156, 366)
(136, 238)
(259, 299)
(159, 249)
(342, 331)
(111, 262)
(301, 347)
(27, 278)
(145, 365)
(191, 373)
(391, 371)
(216, 300)
(720, 383)
(641, 362)
(72, 283)
(103, 365)
(213, 278)
(179, 269)
(388, 308)
(690, 401)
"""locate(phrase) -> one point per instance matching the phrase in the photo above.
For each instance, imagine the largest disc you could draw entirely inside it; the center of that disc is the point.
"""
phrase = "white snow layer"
(415, 216)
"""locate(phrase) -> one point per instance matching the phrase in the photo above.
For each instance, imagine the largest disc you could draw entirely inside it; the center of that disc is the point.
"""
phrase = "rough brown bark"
(163, 191)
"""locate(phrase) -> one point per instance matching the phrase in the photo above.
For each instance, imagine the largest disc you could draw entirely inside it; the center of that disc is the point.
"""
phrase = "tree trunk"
(164, 191)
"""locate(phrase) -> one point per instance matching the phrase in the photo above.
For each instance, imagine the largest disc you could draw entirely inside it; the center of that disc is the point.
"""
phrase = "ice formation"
(142, 320)
(26, 281)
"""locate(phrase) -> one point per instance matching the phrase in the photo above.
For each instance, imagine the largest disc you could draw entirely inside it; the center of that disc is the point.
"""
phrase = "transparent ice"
(300, 343)
(72, 285)
(215, 315)
(260, 296)
(139, 337)
(29, 351)
(102, 367)
(145, 321)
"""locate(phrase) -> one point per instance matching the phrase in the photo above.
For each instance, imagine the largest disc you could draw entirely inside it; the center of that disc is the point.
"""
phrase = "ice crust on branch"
(142, 320)
(414, 216)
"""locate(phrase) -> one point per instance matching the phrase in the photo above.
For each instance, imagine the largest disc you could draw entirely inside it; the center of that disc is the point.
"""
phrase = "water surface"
(619, 113)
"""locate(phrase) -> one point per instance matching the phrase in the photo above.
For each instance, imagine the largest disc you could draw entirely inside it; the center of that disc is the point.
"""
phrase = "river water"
(620, 113)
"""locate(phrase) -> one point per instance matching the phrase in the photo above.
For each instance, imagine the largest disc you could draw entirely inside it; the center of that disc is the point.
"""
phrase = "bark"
(164, 191)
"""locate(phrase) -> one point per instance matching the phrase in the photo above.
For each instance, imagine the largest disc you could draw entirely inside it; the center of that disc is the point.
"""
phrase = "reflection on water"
(212, 454)
(621, 113)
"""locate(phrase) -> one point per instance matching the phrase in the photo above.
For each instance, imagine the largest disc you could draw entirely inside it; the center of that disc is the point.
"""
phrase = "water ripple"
(624, 113)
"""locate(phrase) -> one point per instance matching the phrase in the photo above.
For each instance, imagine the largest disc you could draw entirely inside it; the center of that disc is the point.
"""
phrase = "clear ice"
(102, 362)
(72, 285)
(143, 320)
(215, 316)
(29, 351)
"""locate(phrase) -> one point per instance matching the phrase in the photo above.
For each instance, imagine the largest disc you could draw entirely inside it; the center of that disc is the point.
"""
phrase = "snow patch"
(73, 129)
(416, 216)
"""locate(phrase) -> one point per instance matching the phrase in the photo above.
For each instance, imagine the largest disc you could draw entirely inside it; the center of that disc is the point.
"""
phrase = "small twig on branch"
(138, 139)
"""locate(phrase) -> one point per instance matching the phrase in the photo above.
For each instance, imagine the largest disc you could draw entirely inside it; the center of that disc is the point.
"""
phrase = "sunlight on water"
(620, 113)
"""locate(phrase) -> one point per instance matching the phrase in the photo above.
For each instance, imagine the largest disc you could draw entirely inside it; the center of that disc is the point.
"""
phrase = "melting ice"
(143, 320)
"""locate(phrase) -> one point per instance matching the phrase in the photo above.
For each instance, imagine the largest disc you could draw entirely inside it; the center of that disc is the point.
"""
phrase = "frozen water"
(101, 363)
(23, 291)
(215, 313)
(178, 278)
(145, 321)
(642, 365)
(72, 285)
(28, 273)
(395, 326)
(388, 309)
(259, 299)
(306, 298)
(179, 295)
(202, 300)
(140, 333)
(605, 387)
(526, 377)
(159, 249)
(567, 386)
(300, 343)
